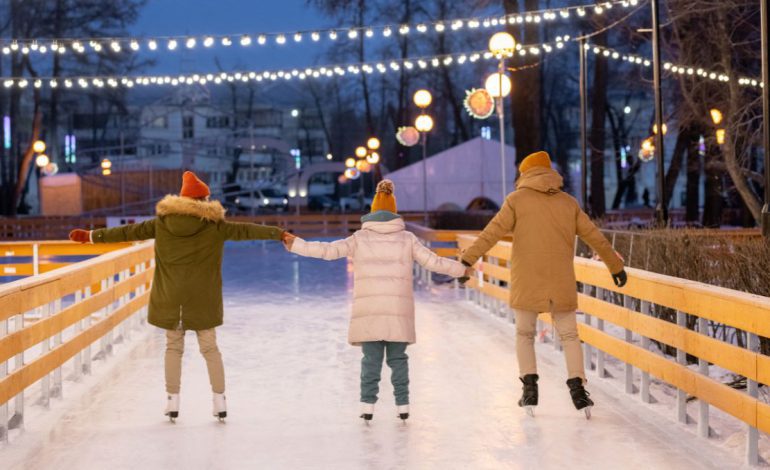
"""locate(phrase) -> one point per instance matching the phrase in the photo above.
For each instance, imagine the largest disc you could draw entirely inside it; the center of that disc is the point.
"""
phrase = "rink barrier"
(630, 309)
(62, 314)
(41, 254)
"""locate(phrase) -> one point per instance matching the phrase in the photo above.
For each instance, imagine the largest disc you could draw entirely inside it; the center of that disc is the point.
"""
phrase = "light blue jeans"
(371, 367)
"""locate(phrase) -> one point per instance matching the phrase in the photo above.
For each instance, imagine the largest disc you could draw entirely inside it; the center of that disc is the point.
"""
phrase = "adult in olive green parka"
(189, 241)
(190, 232)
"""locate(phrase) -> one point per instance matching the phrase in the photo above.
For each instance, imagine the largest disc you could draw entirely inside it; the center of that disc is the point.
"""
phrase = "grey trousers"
(371, 367)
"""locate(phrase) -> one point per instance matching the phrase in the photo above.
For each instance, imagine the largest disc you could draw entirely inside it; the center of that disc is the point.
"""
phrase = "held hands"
(620, 278)
(288, 240)
(80, 236)
(469, 273)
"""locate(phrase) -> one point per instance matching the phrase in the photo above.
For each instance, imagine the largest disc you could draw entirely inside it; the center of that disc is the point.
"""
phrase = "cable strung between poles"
(175, 43)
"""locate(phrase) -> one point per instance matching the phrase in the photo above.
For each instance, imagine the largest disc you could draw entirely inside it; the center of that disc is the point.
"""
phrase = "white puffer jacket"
(383, 253)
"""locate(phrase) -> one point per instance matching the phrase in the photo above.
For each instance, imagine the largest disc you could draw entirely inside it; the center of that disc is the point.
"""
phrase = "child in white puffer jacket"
(382, 321)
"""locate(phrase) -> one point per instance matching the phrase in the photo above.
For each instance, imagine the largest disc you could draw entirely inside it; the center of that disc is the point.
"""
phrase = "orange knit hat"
(193, 187)
(537, 159)
(384, 200)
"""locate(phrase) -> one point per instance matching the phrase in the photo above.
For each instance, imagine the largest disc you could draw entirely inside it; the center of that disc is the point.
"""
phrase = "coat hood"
(200, 213)
(544, 180)
(392, 225)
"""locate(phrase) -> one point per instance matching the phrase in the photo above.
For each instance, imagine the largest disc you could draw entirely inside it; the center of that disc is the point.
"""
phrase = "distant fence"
(305, 225)
(50, 322)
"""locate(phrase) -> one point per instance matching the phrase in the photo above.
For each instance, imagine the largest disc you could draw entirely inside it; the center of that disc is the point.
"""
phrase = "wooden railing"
(49, 322)
(19, 259)
(630, 310)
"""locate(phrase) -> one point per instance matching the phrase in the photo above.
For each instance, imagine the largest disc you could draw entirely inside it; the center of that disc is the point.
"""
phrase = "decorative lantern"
(407, 136)
(479, 103)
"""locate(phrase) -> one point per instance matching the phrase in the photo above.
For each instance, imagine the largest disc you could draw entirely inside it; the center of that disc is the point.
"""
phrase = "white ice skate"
(403, 412)
(220, 407)
(367, 412)
(172, 407)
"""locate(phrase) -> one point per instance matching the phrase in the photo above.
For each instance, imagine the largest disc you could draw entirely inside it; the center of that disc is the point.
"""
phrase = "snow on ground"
(293, 394)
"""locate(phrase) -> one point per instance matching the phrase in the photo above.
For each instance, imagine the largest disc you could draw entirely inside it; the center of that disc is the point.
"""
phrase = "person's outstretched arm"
(589, 233)
(125, 233)
(433, 262)
(497, 228)
(245, 231)
(328, 251)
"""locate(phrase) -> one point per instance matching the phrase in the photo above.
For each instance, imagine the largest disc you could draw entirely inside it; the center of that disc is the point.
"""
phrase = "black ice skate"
(529, 395)
(367, 412)
(580, 396)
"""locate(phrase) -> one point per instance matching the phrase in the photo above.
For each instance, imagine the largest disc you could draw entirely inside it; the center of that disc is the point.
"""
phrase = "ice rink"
(293, 394)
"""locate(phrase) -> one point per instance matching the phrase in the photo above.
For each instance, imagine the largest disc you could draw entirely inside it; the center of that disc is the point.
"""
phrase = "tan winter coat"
(543, 221)
(383, 253)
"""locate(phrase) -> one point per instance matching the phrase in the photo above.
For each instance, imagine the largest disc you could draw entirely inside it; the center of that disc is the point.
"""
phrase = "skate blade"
(172, 416)
(221, 416)
(530, 410)
(587, 411)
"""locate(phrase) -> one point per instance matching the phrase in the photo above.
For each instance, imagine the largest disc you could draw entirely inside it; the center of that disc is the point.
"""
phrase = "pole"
(583, 125)
(765, 11)
(425, 179)
(122, 180)
(661, 209)
(501, 115)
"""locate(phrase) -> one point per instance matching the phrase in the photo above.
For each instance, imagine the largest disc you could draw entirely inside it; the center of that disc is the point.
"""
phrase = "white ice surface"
(292, 390)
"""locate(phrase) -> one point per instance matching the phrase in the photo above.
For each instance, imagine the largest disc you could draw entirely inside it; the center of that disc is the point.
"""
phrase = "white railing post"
(703, 368)
(645, 392)
(427, 272)
(77, 362)
(681, 358)
(56, 389)
(87, 356)
(629, 369)
(17, 420)
(3, 373)
(35, 259)
(587, 349)
(45, 383)
(601, 371)
(752, 439)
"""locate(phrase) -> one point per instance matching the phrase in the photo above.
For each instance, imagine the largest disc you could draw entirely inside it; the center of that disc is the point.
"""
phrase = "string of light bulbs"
(187, 42)
(326, 71)
(674, 69)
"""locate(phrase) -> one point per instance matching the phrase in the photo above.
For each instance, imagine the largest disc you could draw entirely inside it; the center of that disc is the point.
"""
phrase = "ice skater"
(544, 221)
(382, 321)
(189, 231)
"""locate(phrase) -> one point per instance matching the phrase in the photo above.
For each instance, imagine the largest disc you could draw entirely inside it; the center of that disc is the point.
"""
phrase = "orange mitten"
(80, 236)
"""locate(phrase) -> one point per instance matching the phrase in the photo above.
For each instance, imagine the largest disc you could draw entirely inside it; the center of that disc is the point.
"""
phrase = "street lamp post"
(661, 209)
(498, 85)
(765, 11)
(424, 124)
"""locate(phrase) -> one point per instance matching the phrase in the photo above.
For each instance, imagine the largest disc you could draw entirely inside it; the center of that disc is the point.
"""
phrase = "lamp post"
(424, 124)
(661, 209)
(499, 86)
(764, 12)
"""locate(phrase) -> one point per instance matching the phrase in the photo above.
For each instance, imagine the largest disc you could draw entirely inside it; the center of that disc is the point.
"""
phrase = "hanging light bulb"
(42, 160)
(361, 152)
(422, 98)
(373, 158)
(172, 44)
(350, 162)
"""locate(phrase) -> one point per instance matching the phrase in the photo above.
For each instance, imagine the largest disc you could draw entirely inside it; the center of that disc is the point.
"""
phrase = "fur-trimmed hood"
(178, 205)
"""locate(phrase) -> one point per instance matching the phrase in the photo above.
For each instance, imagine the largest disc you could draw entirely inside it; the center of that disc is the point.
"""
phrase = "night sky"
(165, 17)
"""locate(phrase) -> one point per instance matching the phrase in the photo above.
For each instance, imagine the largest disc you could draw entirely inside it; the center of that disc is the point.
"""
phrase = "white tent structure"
(456, 176)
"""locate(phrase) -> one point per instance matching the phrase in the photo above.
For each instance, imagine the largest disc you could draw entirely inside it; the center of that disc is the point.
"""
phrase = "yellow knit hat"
(384, 200)
(536, 159)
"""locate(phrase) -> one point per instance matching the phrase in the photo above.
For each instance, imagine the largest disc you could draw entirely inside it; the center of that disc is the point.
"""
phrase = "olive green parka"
(189, 242)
